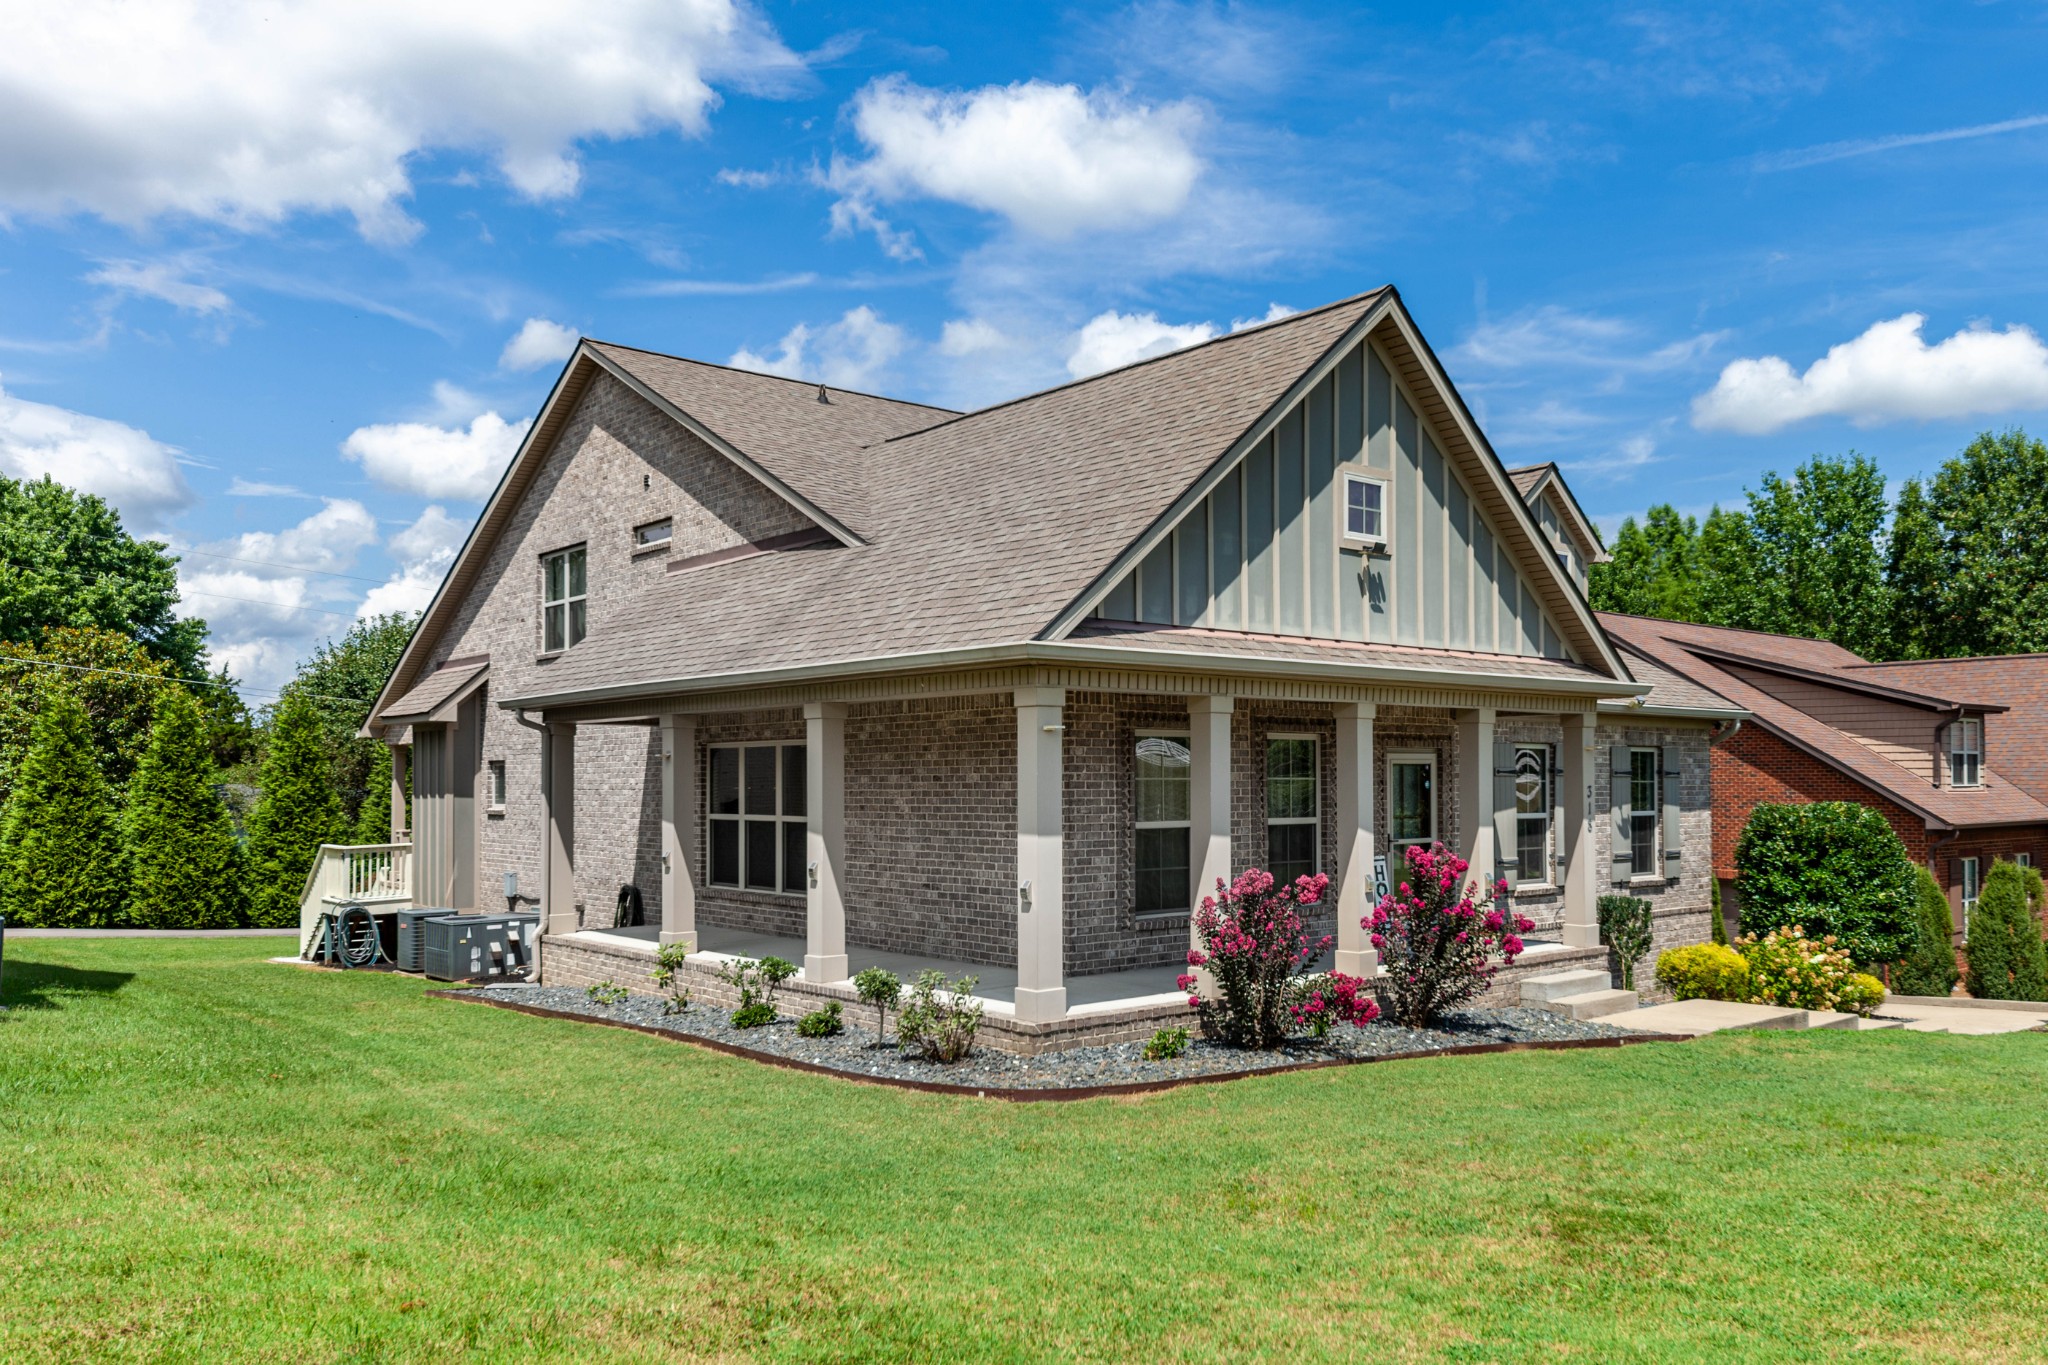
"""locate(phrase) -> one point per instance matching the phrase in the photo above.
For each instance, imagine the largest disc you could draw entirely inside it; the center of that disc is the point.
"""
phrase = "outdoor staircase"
(1588, 994)
(1581, 994)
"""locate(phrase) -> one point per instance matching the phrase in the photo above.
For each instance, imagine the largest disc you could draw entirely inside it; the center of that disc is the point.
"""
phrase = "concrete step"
(1705, 1016)
(1556, 985)
(1864, 1025)
(1592, 1004)
(1829, 1019)
(1924, 1026)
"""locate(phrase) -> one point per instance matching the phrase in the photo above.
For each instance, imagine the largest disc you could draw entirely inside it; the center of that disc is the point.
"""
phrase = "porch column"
(401, 770)
(825, 840)
(1355, 953)
(1041, 855)
(558, 823)
(679, 831)
(1475, 794)
(1208, 794)
(1575, 838)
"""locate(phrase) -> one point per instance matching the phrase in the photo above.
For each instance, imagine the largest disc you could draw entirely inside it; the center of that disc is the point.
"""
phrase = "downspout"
(540, 930)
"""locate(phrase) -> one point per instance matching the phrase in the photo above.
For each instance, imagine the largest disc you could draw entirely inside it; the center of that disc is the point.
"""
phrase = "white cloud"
(852, 353)
(1111, 339)
(749, 180)
(1887, 374)
(1051, 159)
(327, 541)
(239, 487)
(163, 280)
(1274, 312)
(125, 465)
(244, 112)
(970, 336)
(424, 550)
(538, 342)
(437, 461)
(1553, 337)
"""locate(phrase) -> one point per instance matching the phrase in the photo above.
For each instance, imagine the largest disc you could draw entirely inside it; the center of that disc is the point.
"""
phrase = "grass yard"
(206, 1157)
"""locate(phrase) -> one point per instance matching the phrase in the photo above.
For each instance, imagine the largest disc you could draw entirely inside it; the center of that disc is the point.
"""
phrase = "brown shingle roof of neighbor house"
(993, 523)
(432, 690)
(2016, 744)
(1700, 652)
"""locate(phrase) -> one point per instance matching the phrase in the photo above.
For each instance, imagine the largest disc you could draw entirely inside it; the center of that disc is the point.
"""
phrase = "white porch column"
(1041, 854)
(1355, 953)
(558, 824)
(1208, 795)
(825, 840)
(401, 769)
(679, 831)
(1475, 794)
(1575, 839)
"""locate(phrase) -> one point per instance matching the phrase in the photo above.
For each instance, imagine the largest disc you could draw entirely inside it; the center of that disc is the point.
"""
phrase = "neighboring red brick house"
(1954, 752)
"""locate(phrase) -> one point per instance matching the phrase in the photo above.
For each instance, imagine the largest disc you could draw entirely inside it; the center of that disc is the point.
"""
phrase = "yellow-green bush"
(1704, 971)
(1788, 968)
(1862, 995)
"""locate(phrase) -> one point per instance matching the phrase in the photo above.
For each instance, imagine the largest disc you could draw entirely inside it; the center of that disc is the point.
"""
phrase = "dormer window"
(1365, 510)
(1966, 753)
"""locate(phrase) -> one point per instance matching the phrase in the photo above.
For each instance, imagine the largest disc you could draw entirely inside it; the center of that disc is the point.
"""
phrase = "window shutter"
(1617, 800)
(1504, 812)
(1673, 814)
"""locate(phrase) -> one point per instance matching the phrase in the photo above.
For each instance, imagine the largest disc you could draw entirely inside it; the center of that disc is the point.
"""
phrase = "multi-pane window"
(1163, 774)
(1965, 753)
(564, 615)
(1966, 873)
(494, 783)
(757, 817)
(1292, 822)
(1532, 813)
(1411, 803)
(1642, 812)
(1365, 510)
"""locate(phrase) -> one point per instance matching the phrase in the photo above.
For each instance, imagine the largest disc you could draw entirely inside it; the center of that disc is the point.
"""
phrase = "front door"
(1411, 807)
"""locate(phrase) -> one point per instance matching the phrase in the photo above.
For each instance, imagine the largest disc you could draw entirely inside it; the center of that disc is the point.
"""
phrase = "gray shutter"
(1504, 811)
(1673, 814)
(1617, 800)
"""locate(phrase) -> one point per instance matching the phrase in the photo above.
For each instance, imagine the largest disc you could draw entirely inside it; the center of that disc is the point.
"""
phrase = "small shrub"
(1862, 995)
(756, 983)
(1720, 920)
(938, 1022)
(1257, 951)
(1929, 966)
(1788, 968)
(668, 968)
(1625, 925)
(759, 1014)
(880, 989)
(1166, 1044)
(2004, 951)
(1833, 866)
(1704, 971)
(1439, 939)
(822, 1023)
(606, 993)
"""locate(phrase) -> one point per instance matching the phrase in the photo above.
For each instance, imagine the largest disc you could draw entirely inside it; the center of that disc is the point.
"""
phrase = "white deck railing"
(354, 874)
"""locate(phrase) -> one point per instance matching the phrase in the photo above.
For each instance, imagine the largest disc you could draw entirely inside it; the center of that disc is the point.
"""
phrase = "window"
(1163, 774)
(1365, 510)
(1532, 813)
(1293, 823)
(2023, 859)
(1966, 873)
(564, 618)
(1965, 752)
(1411, 804)
(494, 783)
(757, 817)
(653, 533)
(1642, 812)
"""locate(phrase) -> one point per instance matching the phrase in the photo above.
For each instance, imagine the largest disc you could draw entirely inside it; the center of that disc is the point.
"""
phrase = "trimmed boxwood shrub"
(1704, 971)
(1929, 966)
(2004, 951)
(1833, 868)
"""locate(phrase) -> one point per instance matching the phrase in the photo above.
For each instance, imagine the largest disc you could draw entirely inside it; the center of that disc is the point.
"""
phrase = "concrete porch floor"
(997, 983)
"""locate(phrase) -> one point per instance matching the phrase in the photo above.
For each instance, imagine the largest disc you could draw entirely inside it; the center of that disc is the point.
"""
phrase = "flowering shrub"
(1257, 950)
(1862, 995)
(1317, 1002)
(1704, 971)
(1788, 968)
(1438, 944)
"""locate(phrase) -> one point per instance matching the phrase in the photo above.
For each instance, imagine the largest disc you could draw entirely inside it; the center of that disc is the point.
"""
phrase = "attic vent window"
(1364, 510)
(654, 533)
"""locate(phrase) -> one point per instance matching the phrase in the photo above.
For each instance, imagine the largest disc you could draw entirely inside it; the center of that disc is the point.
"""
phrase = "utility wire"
(184, 682)
(270, 564)
(274, 606)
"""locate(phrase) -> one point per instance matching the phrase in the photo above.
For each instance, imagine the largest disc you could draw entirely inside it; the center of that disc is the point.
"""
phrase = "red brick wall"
(1754, 767)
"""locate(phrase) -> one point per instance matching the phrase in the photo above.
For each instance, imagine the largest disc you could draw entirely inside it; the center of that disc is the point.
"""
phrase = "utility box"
(410, 943)
(475, 947)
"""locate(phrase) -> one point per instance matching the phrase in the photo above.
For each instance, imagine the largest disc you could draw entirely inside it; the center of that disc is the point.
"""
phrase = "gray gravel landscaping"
(857, 1052)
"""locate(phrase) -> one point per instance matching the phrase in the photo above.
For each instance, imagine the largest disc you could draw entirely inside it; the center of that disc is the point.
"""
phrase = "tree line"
(1955, 565)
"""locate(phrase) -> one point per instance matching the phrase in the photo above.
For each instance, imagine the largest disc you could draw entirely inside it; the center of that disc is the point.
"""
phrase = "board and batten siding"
(1261, 553)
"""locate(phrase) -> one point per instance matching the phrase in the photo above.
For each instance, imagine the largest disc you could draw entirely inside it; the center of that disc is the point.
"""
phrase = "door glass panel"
(1411, 803)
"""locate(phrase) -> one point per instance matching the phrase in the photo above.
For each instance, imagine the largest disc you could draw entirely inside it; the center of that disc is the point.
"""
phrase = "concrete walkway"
(1963, 1018)
(151, 933)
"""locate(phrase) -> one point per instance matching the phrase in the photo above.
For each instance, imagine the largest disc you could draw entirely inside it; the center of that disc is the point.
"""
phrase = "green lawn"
(206, 1157)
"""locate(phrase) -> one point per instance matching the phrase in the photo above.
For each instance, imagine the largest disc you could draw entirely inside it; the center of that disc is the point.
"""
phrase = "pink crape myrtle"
(1440, 941)
(1257, 951)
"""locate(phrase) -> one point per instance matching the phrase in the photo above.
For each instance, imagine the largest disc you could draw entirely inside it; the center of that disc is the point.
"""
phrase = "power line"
(269, 564)
(274, 606)
(183, 682)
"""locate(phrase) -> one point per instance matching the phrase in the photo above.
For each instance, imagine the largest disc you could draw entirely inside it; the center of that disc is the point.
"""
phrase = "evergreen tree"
(111, 676)
(373, 821)
(61, 863)
(1929, 966)
(297, 812)
(2004, 951)
(343, 677)
(184, 864)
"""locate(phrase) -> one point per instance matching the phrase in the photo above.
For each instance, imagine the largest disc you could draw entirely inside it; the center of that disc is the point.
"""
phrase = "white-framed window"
(1411, 806)
(2023, 859)
(1163, 777)
(1532, 813)
(1965, 752)
(654, 533)
(1293, 807)
(1364, 510)
(564, 614)
(1966, 875)
(494, 783)
(756, 817)
(1645, 858)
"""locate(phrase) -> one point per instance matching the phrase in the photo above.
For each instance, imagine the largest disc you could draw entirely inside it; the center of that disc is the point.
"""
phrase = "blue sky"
(287, 285)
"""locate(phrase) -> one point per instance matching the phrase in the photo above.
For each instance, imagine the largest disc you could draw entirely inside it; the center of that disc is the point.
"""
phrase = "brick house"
(861, 681)
(1954, 752)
